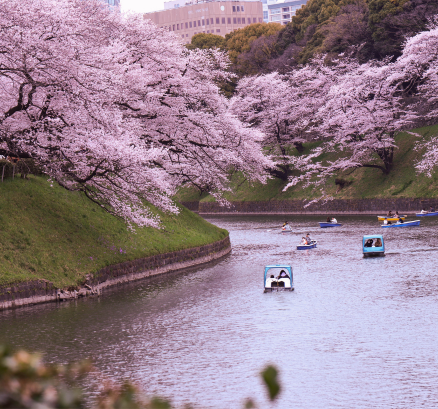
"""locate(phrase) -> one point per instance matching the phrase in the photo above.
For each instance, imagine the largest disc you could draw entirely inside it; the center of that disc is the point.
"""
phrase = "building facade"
(282, 12)
(215, 17)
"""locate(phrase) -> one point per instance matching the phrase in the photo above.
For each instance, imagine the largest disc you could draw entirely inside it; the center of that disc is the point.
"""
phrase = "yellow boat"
(392, 218)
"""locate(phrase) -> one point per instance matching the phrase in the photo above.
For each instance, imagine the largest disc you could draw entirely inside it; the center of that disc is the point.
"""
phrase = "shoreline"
(377, 206)
(42, 291)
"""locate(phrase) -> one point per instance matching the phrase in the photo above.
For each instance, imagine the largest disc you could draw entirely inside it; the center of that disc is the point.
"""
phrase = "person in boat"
(369, 243)
(400, 220)
(431, 209)
(308, 239)
(329, 220)
(303, 241)
(386, 221)
(286, 226)
(378, 243)
(333, 220)
(396, 214)
(389, 213)
(423, 211)
(282, 274)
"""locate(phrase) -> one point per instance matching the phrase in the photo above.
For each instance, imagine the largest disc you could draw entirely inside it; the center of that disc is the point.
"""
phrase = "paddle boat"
(312, 245)
(327, 224)
(373, 246)
(278, 277)
(391, 218)
(426, 214)
(404, 224)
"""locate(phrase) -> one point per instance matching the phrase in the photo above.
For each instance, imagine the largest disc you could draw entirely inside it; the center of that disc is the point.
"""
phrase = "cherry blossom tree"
(283, 108)
(362, 112)
(115, 107)
(418, 65)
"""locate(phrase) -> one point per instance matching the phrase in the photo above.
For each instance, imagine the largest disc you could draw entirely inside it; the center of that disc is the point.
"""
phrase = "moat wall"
(40, 291)
(335, 206)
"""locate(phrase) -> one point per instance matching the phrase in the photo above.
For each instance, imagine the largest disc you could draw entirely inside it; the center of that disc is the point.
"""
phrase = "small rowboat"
(426, 214)
(392, 218)
(405, 224)
(312, 245)
(323, 225)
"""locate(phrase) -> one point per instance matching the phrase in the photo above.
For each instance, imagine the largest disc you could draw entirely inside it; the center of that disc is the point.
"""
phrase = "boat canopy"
(373, 249)
(276, 270)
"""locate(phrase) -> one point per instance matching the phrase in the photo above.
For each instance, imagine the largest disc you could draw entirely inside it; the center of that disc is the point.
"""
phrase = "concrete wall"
(336, 206)
(40, 291)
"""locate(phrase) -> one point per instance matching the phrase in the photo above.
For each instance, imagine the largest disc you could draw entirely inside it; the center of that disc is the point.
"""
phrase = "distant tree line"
(367, 29)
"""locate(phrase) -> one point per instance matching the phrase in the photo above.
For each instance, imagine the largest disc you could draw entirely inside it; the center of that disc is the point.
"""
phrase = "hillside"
(402, 181)
(49, 233)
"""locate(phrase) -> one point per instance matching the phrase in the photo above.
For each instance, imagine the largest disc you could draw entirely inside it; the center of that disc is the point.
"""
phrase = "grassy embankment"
(50, 233)
(402, 181)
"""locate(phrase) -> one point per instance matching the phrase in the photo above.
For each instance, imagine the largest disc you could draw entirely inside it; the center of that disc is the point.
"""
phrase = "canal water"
(355, 333)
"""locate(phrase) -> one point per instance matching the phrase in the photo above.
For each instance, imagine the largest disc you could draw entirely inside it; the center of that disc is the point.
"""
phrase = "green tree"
(206, 41)
(239, 41)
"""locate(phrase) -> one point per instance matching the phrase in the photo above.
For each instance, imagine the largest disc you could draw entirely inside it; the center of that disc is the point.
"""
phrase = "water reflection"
(355, 333)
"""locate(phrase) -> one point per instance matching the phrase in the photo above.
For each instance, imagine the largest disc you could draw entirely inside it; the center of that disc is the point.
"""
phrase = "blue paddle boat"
(426, 214)
(323, 225)
(312, 245)
(404, 224)
(278, 277)
(373, 246)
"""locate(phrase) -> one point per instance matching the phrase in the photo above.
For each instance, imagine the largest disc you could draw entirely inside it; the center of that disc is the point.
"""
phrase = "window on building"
(187, 25)
(177, 26)
(199, 23)
(190, 24)
(275, 18)
(285, 10)
(194, 23)
(223, 20)
(234, 9)
(239, 20)
(182, 36)
(260, 20)
(243, 20)
(187, 35)
(203, 22)
(211, 21)
(241, 7)
(275, 11)
(173, 27)
(208, 31)
(229, 20)
(218, 30)
(286, 16)
(208, 22)
(238, 8)
(234, 20)
(218, 20)
(254, 19)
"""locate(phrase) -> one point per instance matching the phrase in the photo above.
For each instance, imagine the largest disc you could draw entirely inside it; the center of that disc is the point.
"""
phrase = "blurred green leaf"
(269, 376)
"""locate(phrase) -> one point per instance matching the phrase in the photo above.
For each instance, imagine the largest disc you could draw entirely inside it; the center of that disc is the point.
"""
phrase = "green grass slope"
(50, 233)
(402, 181)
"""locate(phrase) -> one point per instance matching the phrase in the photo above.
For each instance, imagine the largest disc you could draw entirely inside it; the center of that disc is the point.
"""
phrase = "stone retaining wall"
(336, 206)
(40, 291)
